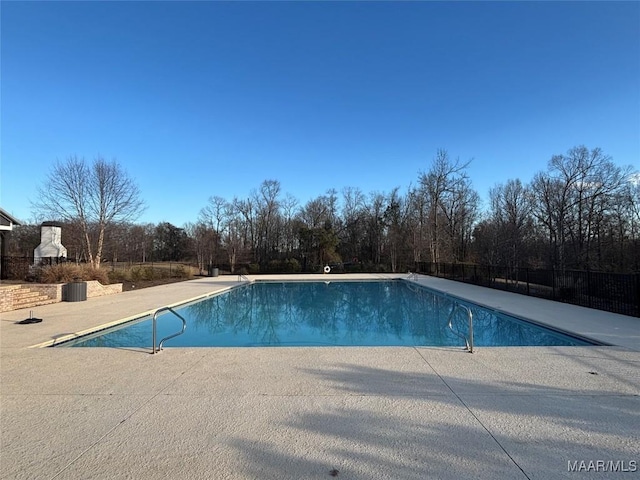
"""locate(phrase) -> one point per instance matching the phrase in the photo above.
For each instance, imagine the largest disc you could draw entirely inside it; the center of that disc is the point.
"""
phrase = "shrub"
(353, 268)
(254, 268)
(135, 274)
(62, 273)
(148, 273)
(179, 272)
(274, 266)
(182, 272)
(119, 276)
(99, 274)
(68, 272)
(292, 265)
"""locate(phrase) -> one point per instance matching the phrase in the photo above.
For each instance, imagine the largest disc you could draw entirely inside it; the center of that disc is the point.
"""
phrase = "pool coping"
(95, 314)
(59, 341)
(548, 326)
(89, 331)
(605, 328)
(369, 412)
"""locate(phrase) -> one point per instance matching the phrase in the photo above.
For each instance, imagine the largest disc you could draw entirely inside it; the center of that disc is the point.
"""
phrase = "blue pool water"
(382, 313)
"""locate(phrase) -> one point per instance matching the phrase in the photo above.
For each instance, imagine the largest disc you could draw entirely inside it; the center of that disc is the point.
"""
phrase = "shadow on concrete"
(383, 430)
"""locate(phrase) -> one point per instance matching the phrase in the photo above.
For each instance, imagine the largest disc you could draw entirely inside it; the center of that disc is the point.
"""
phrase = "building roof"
(7, 221)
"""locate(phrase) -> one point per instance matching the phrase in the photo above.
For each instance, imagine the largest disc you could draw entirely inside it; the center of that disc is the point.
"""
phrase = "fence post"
(589, 287)
(637, 277)
(526, 271)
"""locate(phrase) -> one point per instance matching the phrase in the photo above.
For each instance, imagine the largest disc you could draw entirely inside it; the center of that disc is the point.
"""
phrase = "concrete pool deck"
(298, 413)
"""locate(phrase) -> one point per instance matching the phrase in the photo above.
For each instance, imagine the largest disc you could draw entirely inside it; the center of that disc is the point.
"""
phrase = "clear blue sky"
(211, 98)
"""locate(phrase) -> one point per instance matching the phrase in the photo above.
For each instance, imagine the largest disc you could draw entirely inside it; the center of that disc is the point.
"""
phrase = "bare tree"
(353, 218)
(232, 237)
(375, 226)
(212, 217)
(572, 201)
(141, 242)
(289, 206)
(634, 218)
(96, 196)
(447, 190)
(268, 219)
(395, 218)
(317, 236)
(417, 223)
(202, 237)
(244, 210)
(23, 240)
(511, 211)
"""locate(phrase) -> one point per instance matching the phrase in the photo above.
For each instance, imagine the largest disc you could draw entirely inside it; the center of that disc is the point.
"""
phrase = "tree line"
(582, 212)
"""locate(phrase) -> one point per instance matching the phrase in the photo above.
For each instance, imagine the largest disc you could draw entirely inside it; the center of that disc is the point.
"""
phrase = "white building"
(50, 243)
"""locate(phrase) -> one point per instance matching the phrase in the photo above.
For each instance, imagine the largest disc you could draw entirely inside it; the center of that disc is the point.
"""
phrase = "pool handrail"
(241, 277)
(467, 340)
(155, 316)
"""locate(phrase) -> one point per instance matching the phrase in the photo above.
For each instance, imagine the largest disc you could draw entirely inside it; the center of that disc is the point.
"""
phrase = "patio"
(354, 413)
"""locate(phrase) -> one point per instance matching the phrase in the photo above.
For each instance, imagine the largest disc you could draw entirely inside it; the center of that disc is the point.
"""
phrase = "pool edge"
(83, 333)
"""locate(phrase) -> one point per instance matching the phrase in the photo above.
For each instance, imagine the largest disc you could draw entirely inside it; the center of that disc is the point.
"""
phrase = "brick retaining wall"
(6, 297)
(53, 291)
(96, 289)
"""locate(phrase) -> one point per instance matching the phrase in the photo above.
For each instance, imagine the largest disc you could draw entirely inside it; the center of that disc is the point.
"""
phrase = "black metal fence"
(613, 292)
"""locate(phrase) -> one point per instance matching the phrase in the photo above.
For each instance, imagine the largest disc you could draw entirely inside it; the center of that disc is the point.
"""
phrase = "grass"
(144, 272)
(135, 277)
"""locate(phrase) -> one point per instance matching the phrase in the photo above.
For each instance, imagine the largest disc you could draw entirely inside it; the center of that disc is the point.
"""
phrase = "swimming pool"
(336, 313)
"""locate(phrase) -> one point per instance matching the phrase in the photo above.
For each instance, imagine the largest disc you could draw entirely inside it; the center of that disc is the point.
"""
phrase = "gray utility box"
(74, 292)
(213, 271)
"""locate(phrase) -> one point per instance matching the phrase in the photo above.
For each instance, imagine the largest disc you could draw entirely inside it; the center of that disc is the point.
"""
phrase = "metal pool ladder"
(412, 276)
(467, 340)
(155, 316)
